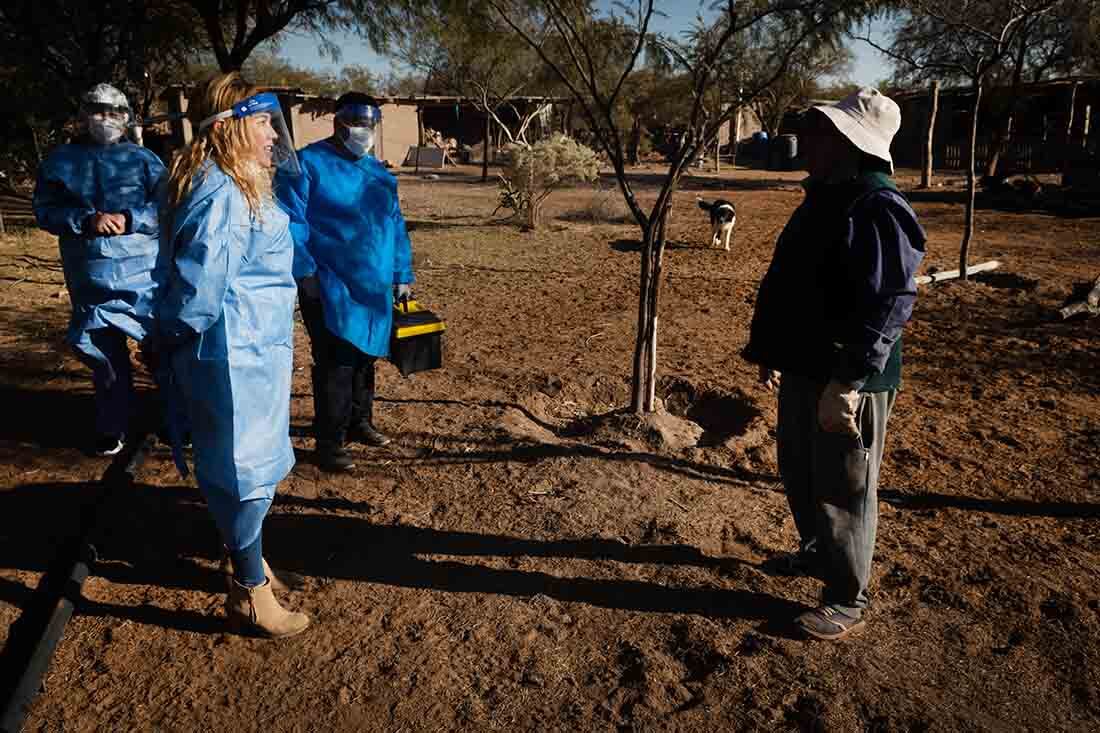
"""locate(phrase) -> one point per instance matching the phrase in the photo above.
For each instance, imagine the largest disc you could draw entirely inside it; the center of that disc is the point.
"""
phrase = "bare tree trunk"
(638, 384)
(534, 213)
(654, 306)
(971, 181)
(1004, 135)
(735, 140)
(929, 135)
(635, 142)
(485, 147)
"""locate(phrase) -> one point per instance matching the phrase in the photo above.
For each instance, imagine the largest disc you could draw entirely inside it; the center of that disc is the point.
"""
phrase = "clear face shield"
(357, 128)
(267, 130)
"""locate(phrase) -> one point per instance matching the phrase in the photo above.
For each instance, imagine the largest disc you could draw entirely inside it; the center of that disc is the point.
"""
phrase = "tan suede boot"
(226, 567)
(254, 611)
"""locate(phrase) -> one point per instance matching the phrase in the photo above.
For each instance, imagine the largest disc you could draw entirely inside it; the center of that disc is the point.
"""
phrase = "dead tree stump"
(1090, 305)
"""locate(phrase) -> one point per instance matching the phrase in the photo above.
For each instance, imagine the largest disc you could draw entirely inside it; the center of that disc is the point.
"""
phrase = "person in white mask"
(352, 260)
(99, 195)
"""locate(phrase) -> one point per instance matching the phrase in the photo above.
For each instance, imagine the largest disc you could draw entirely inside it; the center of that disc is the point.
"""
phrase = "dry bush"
(536, 171)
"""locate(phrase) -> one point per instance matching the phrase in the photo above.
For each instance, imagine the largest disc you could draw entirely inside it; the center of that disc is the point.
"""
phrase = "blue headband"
(257, 103)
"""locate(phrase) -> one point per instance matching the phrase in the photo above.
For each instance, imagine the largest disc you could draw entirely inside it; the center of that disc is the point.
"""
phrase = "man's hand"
(769, 378)
(108, 224)
(402, 293)
(836, 410)
(309, 287)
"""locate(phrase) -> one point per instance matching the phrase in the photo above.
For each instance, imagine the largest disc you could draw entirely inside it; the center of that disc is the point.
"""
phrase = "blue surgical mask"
(358, 140)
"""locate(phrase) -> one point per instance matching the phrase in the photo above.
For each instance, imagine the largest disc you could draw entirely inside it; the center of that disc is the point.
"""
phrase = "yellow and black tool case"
(416, 342)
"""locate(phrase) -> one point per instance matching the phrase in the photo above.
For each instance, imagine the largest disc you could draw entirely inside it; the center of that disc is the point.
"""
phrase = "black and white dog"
(723, 216)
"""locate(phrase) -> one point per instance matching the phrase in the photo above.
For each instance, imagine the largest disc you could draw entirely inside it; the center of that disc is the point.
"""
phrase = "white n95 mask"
(358, 140)
(104, 130)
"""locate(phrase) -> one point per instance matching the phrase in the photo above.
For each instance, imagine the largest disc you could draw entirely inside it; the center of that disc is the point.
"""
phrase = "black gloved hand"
(309, 287)
(401, 294)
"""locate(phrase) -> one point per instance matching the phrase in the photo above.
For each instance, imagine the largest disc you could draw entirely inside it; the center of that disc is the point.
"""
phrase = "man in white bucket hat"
(828, 319)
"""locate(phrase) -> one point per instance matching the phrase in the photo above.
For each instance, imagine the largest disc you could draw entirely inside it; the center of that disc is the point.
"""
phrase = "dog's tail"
(703, 204)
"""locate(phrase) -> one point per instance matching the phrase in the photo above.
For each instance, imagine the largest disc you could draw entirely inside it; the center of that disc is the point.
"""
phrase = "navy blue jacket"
(841, 286)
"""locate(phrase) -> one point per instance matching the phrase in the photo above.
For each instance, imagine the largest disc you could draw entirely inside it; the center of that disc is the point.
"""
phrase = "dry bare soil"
(519, 561)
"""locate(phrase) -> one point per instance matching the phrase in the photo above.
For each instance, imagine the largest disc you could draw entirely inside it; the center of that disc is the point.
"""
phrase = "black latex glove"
(309, 287)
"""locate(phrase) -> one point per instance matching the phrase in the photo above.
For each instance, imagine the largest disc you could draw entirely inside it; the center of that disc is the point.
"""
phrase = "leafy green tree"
(236, 28)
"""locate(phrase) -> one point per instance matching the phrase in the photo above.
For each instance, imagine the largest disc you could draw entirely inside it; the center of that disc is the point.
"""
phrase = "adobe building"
(310, 118)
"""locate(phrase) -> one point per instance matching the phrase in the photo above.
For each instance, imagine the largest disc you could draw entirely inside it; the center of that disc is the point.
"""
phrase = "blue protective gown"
(110, 278)
(348, 231)
(229, 281)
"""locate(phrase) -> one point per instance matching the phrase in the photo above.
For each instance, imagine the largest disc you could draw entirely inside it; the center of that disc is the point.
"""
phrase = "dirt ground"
(514, 563)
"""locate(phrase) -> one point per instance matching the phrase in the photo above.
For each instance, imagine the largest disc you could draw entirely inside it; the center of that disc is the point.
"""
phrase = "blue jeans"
(113, 380)
(240, 524)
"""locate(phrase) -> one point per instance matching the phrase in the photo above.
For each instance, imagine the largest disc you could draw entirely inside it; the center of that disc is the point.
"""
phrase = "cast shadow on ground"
(1003, 202)
(156, 535)
(635, 245)
(915, 501)
(431, 225)
(61, 418)
(690, 184)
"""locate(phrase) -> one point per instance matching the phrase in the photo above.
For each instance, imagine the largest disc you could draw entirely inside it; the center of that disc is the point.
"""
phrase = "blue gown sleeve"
(886, 247)
(210, 247)
(145, 219)
(56, 208)
(293, 195)
(402, 247)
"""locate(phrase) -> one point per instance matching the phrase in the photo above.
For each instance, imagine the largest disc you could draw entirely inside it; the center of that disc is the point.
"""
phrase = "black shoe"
(109, 445)
(366, 434)
(332, 457)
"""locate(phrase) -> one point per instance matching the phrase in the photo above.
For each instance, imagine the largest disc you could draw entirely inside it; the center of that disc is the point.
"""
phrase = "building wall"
(399, 133)
(313, 121)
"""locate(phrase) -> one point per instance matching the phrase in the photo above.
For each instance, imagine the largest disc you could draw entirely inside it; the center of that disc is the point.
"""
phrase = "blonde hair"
(227, 143)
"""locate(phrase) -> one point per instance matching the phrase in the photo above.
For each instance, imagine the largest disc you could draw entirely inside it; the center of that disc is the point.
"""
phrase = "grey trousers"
(831, 482)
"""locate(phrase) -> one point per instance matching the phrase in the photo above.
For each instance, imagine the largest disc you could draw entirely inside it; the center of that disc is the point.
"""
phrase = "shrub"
(534, 172)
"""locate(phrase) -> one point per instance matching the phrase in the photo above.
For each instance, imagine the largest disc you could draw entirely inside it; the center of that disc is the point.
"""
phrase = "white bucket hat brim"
(869, 119)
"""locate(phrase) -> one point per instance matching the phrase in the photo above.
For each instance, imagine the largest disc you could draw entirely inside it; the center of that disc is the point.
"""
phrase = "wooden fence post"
(1068, 142)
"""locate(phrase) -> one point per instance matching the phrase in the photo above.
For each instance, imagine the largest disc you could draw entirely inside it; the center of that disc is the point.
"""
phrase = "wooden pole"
(1066, 157)
(419, 136)
(954, 274)
(485, 146)
(929, 134)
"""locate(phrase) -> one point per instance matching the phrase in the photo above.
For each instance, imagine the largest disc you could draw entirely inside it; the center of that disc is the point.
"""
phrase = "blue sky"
(868, 68)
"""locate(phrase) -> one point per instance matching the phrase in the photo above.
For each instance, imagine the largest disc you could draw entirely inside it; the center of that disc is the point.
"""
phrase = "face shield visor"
(358, 125)
(105, 112)
(267, 130)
